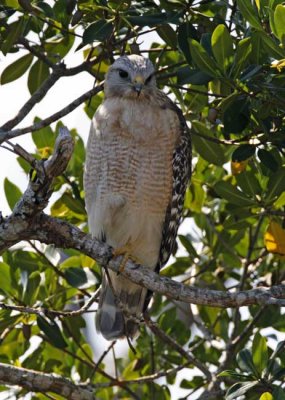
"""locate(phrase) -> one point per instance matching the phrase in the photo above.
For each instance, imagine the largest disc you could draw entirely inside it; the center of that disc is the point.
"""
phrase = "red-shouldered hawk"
(138, 164)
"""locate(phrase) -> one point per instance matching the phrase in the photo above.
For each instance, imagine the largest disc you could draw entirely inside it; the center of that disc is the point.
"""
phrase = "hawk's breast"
(133, 145)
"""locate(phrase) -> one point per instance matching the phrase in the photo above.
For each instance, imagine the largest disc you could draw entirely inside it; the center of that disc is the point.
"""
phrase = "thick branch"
(41, 382)
(36, 196)
(62, 234)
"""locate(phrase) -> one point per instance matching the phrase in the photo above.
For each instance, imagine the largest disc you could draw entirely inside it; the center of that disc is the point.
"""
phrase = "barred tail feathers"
(116, 306)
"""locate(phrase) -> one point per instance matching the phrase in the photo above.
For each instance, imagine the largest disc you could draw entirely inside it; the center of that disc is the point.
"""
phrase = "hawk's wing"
(181, 167)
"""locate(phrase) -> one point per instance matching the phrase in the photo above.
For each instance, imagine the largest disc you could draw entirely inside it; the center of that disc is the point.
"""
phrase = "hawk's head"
(130, 76)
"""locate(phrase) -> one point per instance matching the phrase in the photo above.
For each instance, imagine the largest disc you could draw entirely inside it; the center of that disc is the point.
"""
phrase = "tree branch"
(38, 382)
(59, 70)
(172, 343)
(33, 100)
(62, 234)
(49, 120)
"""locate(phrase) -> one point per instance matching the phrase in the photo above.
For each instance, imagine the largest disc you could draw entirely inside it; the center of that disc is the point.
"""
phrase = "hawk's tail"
(111, 320)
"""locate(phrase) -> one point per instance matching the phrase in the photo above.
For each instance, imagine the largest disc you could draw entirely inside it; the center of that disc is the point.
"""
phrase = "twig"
(167, 339)
(215, 140)
(33, 100)
(190, 90)
(145, 379)
(61, 274)
(102, 358)
(33, 50)
(46, 122)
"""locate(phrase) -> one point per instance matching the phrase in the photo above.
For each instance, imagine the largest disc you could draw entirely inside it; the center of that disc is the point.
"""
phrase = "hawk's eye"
(123, 74)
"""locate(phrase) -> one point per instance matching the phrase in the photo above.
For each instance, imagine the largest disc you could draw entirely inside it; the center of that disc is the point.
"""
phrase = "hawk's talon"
(125, 252)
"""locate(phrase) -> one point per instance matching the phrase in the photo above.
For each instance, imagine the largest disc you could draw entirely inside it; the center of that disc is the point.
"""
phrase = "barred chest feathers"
(134, 146)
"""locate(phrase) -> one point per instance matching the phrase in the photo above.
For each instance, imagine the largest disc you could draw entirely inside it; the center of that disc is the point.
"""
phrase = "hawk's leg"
(125, 251)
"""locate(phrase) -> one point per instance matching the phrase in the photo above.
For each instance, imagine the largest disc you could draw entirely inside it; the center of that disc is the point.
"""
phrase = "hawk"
(138, 164)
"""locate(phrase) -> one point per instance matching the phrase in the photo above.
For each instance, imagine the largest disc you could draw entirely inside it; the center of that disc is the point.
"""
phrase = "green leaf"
(29, 261)
(210, 151)
(84, 351)
(32, 288)
(270, 47)
(195, 381)
(259, 352)
(148, 20)
(5, 273)
(237, 115)
(279, 373)
(39, 72)
(15, 31)
(52, 331)
(243, 152)
(44, 137)
(185, 31)
(167, 33)
(276, 185)
(92, 104)
(202, 59)
(278, 394)
(280, 201)
(233, 374)
(239, 389)
(72, 204)
(279, 22)
(242, 54)
(76, 277)
(280, 348)
(6, 321)
(12, 3)
(193, 76)
(16, 69)
(186, 242)
(245, 362)
(268, 159)
(229, 192)
(12, 192)
(249, 13)
(272, 6)
(194, 100)
(98, 31)
(222, 46)
(198, 197)
(248, 183)
(60, 47)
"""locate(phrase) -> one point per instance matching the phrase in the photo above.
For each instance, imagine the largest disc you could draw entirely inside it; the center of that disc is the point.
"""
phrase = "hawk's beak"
(138, 83)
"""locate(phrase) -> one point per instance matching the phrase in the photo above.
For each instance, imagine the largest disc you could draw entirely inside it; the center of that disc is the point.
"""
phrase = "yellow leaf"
(278, 64)
(274, 238)
(238, 167)
(266, 396)
(45, 152)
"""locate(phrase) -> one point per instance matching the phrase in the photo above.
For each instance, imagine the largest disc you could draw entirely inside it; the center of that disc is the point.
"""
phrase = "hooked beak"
(138, 83)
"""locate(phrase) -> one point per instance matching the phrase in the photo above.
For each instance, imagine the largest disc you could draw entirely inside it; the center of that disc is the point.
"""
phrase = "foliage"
(223, 62)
